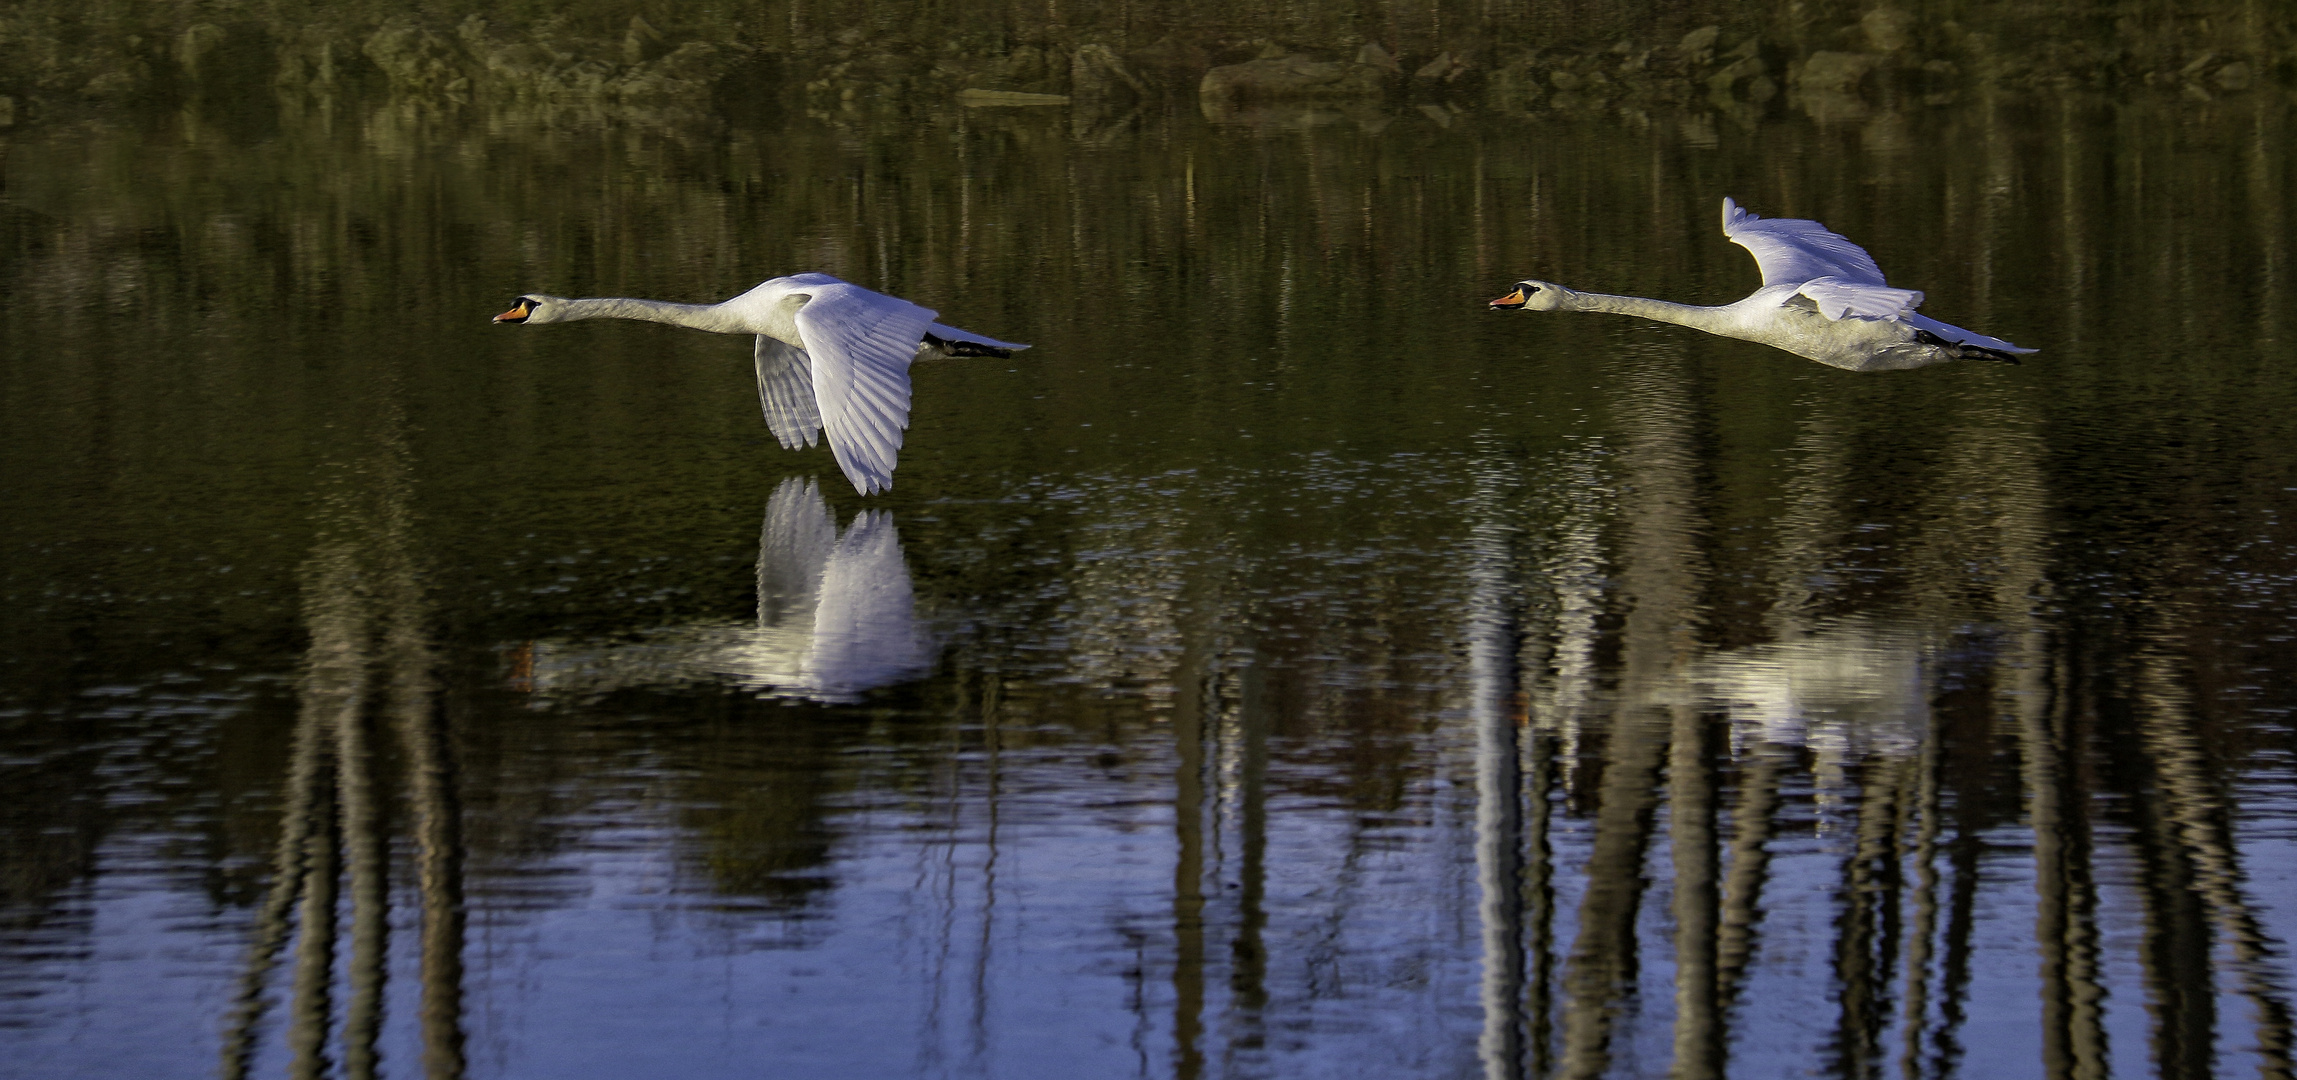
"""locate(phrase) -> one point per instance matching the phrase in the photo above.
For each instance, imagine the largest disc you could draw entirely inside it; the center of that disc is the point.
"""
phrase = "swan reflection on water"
(1850, 687)
(836, 618)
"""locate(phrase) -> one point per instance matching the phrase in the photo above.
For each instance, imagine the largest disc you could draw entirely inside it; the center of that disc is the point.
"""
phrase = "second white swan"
(1822, 298)
(833, 358)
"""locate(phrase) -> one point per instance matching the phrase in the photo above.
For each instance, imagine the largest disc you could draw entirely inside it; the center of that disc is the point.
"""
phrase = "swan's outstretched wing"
(1837, 298)
(786, 392)
(1791, 251)
(861, 343)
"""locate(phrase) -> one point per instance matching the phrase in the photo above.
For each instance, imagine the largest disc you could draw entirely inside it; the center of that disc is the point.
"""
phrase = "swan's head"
(534, 309)
(1534, 296)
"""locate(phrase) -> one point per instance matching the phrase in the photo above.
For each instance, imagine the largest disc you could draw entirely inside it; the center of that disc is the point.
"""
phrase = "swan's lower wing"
(1959, 336)
(1837, 298)
(951, 333)
(1792, 250)
(786, 392)
(861, 343)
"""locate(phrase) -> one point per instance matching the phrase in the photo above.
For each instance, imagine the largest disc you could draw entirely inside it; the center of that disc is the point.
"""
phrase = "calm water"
(1288, 668)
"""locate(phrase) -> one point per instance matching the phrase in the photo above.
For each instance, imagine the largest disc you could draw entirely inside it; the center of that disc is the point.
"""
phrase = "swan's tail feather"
(1961, 351)
(966, 348)
(943, 340)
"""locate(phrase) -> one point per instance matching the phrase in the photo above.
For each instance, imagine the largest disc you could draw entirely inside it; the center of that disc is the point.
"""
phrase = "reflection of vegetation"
(1214, 524)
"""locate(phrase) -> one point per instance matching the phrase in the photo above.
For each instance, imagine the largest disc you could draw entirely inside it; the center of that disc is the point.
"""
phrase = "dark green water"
(1288, 667)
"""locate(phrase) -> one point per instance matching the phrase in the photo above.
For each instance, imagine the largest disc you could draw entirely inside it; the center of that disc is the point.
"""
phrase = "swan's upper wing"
(861, 343)
(1791, 251)
(786, 392)
(1837, 298)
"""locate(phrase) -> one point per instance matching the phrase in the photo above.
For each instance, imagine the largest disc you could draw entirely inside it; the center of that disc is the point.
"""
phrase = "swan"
(833, 358)
(1822, 298)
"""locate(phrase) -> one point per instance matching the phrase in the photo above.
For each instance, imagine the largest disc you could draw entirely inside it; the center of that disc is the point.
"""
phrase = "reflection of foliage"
(1231, 470)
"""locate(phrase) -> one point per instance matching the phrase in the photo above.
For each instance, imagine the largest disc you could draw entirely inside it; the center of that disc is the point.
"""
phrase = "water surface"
(1286, 668)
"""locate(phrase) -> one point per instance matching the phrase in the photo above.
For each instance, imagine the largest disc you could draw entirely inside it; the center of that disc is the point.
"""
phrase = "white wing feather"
(1837, 298)
(786, 392)
(1791, 251)
(861, 343)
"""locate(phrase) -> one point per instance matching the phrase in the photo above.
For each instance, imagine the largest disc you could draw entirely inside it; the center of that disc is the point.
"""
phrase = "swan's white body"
(833, 358)
(1822, 298)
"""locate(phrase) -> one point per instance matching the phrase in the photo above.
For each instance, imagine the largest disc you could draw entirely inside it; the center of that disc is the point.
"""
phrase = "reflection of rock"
(1276, 119)
(836, 617)
(1888, 29)
(1096, 73)
(1295, 76)
(1834, 72)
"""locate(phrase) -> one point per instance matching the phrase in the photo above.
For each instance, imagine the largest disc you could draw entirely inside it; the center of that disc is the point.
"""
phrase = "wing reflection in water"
(1851, 687)
(836, 618)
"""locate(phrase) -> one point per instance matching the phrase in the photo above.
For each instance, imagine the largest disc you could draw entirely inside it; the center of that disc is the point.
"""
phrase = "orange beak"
(516, 314)
(1512, 300)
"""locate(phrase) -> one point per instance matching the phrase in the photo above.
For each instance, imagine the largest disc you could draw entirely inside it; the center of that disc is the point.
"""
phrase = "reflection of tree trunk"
(1662, 572)
(301, 811)
(360, 583)
(311, 1009)
(363, 848)
(1752, 825)
(1248, 953)
(1538, 905)
(2197, 860)
(1961, 927)
(1691, 824)
(1576, 567)
(438, 829)
(2073, 1035)
(1194, 678)
(1867, 929)
(1920, 939)
(2268, 182)
(1492, 634)
(424, 737)
(334, 686)
(1807, 527)
(992, 795)
(1603, 962)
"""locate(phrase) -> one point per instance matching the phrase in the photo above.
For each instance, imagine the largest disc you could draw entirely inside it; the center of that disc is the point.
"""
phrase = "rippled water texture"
(1287, 668)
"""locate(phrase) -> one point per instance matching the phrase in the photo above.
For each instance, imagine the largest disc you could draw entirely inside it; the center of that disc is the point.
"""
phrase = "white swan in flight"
(833, 358)
(1822, 298)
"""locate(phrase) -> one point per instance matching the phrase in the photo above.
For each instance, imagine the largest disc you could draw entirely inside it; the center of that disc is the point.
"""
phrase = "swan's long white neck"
(1714, 320)
(711, 317)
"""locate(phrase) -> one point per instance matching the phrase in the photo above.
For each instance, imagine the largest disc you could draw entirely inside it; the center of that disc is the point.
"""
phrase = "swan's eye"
(1529, 288)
